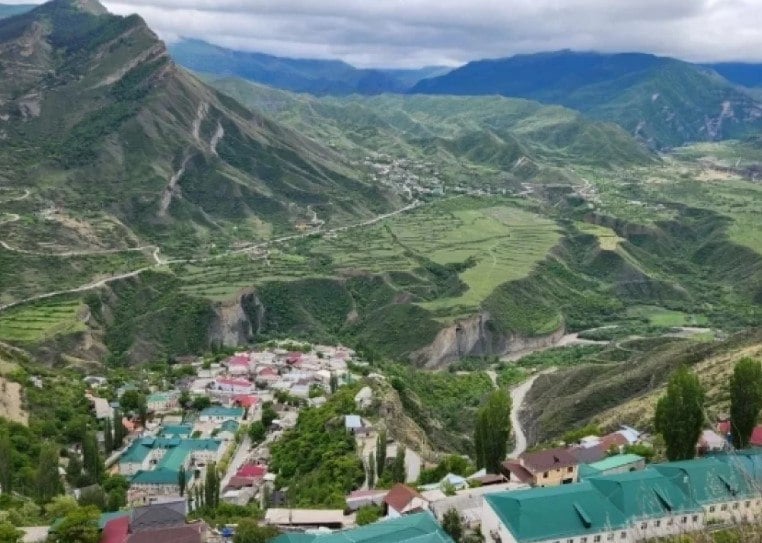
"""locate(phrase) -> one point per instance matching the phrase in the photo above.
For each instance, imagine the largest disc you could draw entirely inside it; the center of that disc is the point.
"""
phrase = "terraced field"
(608, 240)
(489, 245)
(37, 322)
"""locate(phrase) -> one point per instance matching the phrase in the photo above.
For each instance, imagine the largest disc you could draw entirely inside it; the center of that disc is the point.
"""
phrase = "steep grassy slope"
(663, 101)
(319, 77)
(625, 391)
(508, 135)
(97, 117)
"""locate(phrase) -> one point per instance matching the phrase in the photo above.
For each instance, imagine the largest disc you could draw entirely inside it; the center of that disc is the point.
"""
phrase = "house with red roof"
(252, 470)
(403, 500)
(116, 530)
(756, 437)
(246, 401)
(267, 376)
(238, 364)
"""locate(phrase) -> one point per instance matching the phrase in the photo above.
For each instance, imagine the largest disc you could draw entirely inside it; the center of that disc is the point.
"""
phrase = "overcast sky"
(411, 33)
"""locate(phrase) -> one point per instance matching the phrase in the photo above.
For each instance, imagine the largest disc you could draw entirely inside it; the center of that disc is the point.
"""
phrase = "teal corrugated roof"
(178, 430)
(417, 528)
(219, 411)
(556, 512)
(159, 476)
(708, 480)
(644, 494)
(616, 461)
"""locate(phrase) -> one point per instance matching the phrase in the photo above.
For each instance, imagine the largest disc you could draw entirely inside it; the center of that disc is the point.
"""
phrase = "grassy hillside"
(624, 391)
(516, 138)
(662, 101)
(100, 120)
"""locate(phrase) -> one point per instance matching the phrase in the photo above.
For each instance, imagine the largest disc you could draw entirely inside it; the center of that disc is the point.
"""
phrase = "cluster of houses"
(173, 442)
(258, 373)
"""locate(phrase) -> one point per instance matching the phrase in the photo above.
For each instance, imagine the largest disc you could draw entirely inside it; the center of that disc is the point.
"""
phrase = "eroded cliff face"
(231, 326)
(477, 336)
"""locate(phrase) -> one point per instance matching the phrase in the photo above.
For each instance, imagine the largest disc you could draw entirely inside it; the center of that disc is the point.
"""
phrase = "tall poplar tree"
(380, 453)
(6, 463)
(680, 415)
(492, 429)
(745, 400)
(47, 480)
(108, 436)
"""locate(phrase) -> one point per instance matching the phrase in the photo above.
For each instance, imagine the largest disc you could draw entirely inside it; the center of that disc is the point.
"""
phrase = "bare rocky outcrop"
(477, 336)
(232, 326)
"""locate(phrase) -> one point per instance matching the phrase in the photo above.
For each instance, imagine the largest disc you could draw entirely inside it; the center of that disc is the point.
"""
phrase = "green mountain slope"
(96, 117)
(509, 135)
(663, 101)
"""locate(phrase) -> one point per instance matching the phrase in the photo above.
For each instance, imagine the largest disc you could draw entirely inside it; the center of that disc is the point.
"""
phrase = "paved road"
(239, 458)
(159, 262)
(517, 404)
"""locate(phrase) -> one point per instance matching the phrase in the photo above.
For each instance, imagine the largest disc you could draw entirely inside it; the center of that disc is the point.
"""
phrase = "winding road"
(160, 262)
(517, 404)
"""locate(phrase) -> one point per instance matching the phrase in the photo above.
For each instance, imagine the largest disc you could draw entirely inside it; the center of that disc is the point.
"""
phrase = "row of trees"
(680, 412)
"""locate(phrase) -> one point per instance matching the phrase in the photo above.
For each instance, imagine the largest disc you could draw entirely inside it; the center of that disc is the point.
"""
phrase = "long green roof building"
(416, 528)
(660, 501)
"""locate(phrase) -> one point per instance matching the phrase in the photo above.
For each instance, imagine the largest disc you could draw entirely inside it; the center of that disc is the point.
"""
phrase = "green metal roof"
(556, 512)
(608, 502)
(417, 528)
(616, 461)
(644, 494)
(219, 411)
(158, 476)
(230, 426)
(178, 430)
(708, 480)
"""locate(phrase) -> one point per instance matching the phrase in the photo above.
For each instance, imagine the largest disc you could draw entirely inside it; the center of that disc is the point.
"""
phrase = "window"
(597, 539)
(712, 509)
(748, 504)
(735, 505)
(695, 518)
(569, 541)
(545, 475)
(658, 523)
(685, 520)
(583, 540)
(670, 522)
(724, 507)
(644, 526)
(610, 537)
(570, 469)
(623, 535)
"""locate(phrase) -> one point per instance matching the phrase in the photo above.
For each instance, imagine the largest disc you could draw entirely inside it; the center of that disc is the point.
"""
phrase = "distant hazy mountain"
(662, 101)
(9, 10)
(740, 73)
(319, 77)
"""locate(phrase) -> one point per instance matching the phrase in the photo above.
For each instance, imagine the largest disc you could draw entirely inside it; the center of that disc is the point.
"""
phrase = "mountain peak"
(93, 7)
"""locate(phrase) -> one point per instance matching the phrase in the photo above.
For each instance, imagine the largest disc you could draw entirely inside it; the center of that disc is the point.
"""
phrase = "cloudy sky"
(410, 33)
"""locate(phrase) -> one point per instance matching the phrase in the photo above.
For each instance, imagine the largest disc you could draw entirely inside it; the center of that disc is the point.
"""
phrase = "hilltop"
(662, 101)
(101, 125)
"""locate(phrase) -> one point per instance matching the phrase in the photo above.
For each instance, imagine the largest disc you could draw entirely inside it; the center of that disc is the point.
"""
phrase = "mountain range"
(96, 116)
(662, 101)
(319, 77)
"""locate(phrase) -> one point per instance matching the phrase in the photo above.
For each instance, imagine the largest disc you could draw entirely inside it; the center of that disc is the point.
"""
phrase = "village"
(225, 416)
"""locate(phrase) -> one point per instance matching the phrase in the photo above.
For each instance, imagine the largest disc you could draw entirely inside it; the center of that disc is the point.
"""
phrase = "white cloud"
(418, 32)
